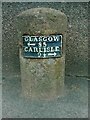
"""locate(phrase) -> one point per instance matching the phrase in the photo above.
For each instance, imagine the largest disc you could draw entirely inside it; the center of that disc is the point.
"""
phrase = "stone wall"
(77, 35)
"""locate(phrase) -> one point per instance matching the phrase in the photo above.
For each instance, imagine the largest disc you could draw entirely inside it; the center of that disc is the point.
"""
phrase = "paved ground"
(73, 104)
(0, 102)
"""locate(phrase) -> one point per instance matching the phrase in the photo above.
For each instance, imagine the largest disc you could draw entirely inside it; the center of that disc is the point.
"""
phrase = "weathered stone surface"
(42, 78)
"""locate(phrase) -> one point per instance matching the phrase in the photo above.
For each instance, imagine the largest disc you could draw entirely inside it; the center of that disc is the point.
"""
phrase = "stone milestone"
(42, 37)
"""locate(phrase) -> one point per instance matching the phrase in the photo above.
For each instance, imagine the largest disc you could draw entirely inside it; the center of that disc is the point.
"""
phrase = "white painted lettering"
(30, 49)
(27, 38)
(40, 39)
(26, 49)
(39, 54)
(40, 44)
(35, 49)
(44, 39)
(44, 44)
(52, 49)
(44, 49)
(35, 39)
(50, 39)
(56, 38)
(48, 49)
(40, 50)
(57, 48)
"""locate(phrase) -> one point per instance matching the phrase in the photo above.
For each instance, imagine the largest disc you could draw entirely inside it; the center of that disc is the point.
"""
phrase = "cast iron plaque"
(42, 46)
